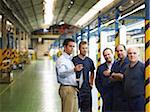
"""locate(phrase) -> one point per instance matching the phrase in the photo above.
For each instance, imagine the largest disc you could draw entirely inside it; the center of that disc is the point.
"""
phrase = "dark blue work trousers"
(136, 104)
(107, 102)
(120, 103)
(85, 98)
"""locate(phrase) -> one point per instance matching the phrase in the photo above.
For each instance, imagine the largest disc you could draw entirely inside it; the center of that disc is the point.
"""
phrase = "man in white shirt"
(67, 78)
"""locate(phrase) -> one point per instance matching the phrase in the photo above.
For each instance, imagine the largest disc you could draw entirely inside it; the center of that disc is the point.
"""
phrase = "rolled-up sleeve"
(64, 70)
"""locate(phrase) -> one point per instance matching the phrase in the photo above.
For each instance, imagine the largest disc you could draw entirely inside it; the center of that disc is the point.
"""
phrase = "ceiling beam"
(23, 15)
(62, 5)
(68, 9)
(6, 11)
(50, 36)
(79, 9)
(33, 8)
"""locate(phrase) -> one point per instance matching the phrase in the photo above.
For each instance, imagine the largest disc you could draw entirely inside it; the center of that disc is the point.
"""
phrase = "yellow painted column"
(98, 63)
(0, 58)
(99, 57)
(147, 55)
(117, 39)
(147, 65)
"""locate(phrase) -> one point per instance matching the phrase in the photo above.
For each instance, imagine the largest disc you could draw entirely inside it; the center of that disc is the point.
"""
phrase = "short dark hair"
(122, 46)
(66, 41)
(82, 43)
(107, 49)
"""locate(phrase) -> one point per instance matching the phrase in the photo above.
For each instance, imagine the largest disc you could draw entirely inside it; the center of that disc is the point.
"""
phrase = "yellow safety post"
(117, 39)
(0, 59)
(99, 58)
(13, 56)
(7, 75)
(147, 55)
(6, 59)
(117, 42)
(26, 57)
(33, 55)
(98, 63)
(147, 65)
(17, 57)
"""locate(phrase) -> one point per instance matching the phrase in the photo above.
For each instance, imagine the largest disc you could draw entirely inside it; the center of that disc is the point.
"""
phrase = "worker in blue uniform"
(85, 78)
(117, 74)
(103, 82)
(134, 82)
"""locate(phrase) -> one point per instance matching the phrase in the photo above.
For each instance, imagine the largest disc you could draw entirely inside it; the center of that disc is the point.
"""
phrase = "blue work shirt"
(88, 66)
(104, 86)
(84, 94)
(65, 70)
(102, 82)
(119, 99)
(119, 67)
(134, 80)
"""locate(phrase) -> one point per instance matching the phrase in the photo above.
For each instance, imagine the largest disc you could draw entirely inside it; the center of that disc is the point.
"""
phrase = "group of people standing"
(120, 82)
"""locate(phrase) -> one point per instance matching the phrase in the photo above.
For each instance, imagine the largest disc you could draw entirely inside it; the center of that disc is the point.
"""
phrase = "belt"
(69, 85)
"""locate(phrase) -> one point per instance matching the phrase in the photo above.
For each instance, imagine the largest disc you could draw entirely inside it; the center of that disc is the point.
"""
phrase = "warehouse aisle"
(33, 90)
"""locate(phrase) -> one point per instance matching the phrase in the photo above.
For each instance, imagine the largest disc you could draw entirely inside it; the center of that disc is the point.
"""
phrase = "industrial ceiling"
(30, 13)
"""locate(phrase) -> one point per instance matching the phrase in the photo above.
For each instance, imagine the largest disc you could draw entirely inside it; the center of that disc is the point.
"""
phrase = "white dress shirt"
(65, 70)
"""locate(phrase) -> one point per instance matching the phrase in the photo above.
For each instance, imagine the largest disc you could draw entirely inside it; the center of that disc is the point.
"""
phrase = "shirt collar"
(109, 65)
(67, 56)
(126, 60)
(82, 58)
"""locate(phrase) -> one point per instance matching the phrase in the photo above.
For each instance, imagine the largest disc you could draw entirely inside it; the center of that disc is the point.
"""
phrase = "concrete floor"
(35, 89)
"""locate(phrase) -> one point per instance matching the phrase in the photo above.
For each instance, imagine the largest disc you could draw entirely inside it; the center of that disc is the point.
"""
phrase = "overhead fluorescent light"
(45, 30)
(135, 10)
(108, 23)
(138, 36)
(93, 11)
(128, 14)
(61, 22)
(48, 14)
(138, 24)
(8, 23)
(39, 40)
